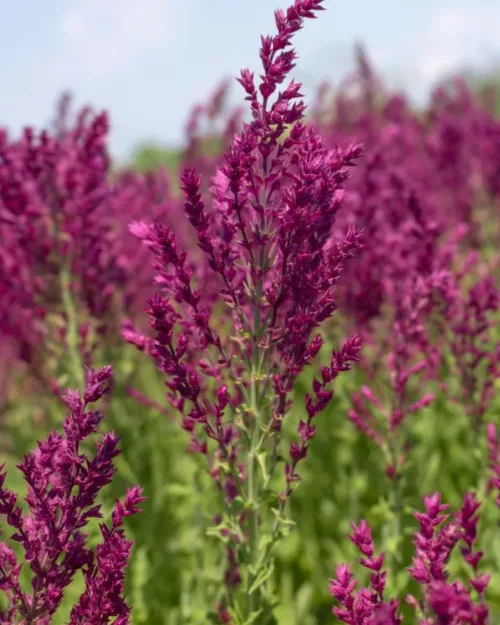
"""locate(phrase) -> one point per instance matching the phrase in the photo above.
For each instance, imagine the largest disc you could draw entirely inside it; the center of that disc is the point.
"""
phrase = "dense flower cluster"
(68, 268)
(366, 605)
(442, 600)
(63, 484)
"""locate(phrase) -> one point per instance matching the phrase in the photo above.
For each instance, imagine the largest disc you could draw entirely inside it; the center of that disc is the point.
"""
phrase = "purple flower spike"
(63, 485)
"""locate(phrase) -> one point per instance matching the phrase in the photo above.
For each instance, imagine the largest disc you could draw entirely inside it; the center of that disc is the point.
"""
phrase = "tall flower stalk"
(231, 355)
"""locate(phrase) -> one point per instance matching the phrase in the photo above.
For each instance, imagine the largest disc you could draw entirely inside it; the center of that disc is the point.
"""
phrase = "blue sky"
(148, 61)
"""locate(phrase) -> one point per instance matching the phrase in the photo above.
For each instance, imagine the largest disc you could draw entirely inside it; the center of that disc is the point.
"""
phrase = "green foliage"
(149, 157)
(177, 565)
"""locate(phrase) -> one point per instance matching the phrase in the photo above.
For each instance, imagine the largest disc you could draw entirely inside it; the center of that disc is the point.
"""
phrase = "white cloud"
(456, 35)
(102, 37)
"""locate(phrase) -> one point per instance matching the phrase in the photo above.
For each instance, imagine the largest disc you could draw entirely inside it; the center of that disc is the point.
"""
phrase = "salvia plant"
(292, 246)
(67, 276)
(63, 486)
(268, 238)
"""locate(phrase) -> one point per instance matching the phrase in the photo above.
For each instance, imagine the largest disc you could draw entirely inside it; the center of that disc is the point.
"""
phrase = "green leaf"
(261, 459)
(253, 617)
(262, 578)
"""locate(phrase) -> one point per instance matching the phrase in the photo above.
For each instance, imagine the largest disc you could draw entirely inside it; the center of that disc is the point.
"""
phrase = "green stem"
(253, 530)
(199, 552)
(396, 501)
(72, 336)
(255, 405)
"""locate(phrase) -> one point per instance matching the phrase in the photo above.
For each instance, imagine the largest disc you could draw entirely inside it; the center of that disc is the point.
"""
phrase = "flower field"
(260, 386)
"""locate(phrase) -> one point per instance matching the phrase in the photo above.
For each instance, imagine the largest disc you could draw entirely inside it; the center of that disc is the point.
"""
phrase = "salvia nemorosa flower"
(69, 271)
(365, 605)
(209, 132)
(63, 486)
(270, 244)
(407, 348)
(442, 601)
(232, 336)
(444, 156)
(464, 303)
